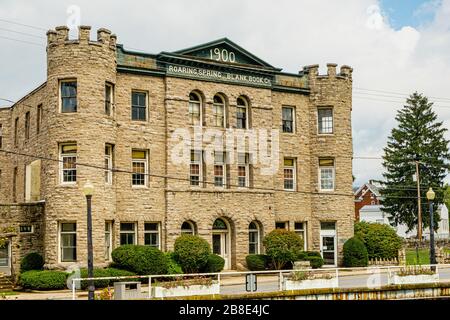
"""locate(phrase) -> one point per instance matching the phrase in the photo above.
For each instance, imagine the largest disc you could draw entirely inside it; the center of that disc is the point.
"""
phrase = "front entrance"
(221, 241)
(328, 243)
(5, 259)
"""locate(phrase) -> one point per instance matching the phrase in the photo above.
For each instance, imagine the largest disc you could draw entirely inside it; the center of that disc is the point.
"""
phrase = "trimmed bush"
(172, 266)
(282, 246)
(143, 260)
(107, 272)
(313, 254)
(315, 262)
(191, 252)
(32, 261)
(215, 264)
(257, 262)
(355, 253)
(43, 280)
(381, 240)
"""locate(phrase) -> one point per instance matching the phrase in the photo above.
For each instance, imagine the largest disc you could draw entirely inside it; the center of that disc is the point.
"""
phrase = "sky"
(394, 46)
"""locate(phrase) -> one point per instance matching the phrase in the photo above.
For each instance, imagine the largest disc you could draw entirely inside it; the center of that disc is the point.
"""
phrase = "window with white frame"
(288, 116)
(242, 113)
(127, 233)
(108, 163)
(68, 163)
(300, 229)
(219, 111)
(109, 98)
(68, 242)
(68, 93)
(326, 174)
(219, 169)
(243, 169)
(28, 228)
(253, 238)
(138, 106)
(289, 174)
(151, 234)
(140, 168)
(325, 120)
(188, 227)
(282, 225)
(196, 167)
(108, 240)
(195, 109)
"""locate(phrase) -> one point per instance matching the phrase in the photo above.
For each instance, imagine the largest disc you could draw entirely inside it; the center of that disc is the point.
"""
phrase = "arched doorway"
(221, 240)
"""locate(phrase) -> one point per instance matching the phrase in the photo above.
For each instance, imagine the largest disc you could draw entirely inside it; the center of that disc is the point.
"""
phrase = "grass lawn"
(411, 256)
(8, 293)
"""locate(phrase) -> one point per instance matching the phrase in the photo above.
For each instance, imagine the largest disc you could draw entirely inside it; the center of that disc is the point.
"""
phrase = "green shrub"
(215, 264)
(355, 253)
(43, 280)
(381, 240)
(313, 254)
(316, 262)
(191, 252)
(257, 262)
(172, 266)
(143, 260)
(107, 272)
(32, 261)
(282, 246)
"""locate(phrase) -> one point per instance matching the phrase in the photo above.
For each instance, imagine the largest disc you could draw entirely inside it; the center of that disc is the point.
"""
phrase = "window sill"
(69, 185)
(139, 187)
(325, 134)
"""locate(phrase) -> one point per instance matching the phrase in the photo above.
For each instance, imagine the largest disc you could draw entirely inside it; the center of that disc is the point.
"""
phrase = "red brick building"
(367, 194)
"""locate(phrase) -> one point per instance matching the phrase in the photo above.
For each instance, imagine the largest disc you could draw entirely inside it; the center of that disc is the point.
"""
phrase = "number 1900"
(222, 55)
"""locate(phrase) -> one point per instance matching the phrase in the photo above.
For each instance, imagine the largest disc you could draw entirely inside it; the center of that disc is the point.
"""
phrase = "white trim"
(227, 243)
(305, 233)
(200, 109)
(200, 172)
(224, 106)
(111, 106)
(26, 225)
(127, 232)
(60, 233)
(158, 232)
(110, 232)
(294, 114)
(258, 235)
(333, 174)
(332, 120)
(109, 157)
(247, 112)
(60, 82)
(61, 163)
(145, 162)
(294, 175)
(147, 101)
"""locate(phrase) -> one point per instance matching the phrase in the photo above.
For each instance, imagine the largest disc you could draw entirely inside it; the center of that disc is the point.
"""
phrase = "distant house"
(368, 208)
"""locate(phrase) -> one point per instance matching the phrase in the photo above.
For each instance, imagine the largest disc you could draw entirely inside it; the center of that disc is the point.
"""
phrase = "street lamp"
(88, 190)
(430, 197)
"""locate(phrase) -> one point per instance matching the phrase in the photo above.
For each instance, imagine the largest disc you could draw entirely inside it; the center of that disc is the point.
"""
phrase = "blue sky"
(412, 13)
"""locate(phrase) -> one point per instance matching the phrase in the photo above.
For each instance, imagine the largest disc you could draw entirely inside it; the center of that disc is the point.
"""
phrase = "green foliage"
(215, 264)
(43, 280)
(447, 196)
(142, 260)
(355, 253)
(315, 261)
(32, 261)
(380, 240)
(282, 246)
(172, 266)
(257, 262)
(107, 272)
(419, 136)
(191, 252)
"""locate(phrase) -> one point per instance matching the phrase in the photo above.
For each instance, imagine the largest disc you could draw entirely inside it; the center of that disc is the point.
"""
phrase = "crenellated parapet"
(312, 71)
(60, 36)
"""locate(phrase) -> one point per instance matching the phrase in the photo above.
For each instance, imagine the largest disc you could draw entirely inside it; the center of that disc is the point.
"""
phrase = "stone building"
(130, 123)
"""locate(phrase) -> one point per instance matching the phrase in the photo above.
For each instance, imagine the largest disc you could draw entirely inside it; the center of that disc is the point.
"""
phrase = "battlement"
(313, 71)
(61, 36)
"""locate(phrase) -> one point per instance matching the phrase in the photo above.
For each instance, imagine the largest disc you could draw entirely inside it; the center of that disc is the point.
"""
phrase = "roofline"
(29, 94)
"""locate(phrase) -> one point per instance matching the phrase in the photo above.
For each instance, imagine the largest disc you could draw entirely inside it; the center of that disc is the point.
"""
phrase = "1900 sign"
(207, 74)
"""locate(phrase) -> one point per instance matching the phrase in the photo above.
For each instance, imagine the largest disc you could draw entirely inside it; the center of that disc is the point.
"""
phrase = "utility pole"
(419, 207)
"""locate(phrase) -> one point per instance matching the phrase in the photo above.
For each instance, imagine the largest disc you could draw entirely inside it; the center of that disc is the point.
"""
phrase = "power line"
(398, 93)
(22, 33)
(23, 24)
(23, 41)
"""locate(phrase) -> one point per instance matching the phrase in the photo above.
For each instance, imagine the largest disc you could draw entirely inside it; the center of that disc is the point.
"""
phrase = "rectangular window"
(139, 106)
(241, 117)
(1, 136)
(281, 225)
(288, 119)
(108, 240)
(289, 174)
(15, 185)
(68, 242)
(109, 96)
(38, 118)
(300, 229)
(196, 167)
(68, 163)
(219, 115)
(219, 169)
(253, 241)
(243, 169)
(68, 96)
(127, 233)
(16, 129)
(27, 125)
(326, 174)
(194, 112)
(151, 234)
(26, 229)
(140, 168)
(325, 120)
(108, 163)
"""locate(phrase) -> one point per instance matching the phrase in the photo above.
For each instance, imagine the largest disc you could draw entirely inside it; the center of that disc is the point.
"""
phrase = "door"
(5, 259)
(328, 249)
(220, 246)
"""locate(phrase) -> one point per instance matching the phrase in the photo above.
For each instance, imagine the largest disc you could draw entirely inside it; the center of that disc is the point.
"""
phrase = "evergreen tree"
(419, 136)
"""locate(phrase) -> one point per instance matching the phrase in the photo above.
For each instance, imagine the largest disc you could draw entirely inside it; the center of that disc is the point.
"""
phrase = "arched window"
(253, 238)
(195, 108)
(219, 224)
(188, 227)
(242, 113)
(219, 111)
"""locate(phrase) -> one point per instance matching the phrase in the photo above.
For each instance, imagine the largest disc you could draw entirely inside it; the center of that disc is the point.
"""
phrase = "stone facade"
(168, 198)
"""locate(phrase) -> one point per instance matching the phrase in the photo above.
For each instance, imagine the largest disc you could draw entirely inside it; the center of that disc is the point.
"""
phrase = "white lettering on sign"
(222, 55)
(218, 75)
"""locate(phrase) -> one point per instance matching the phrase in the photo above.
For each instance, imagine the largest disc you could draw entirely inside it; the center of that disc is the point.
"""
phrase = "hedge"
(32, 261)
(172, 266)
(214, 264)
(257, 262)
(191, 252)
(282, 246)
(142, 260)
(381, 240)
(355, 253)
(43, 280)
